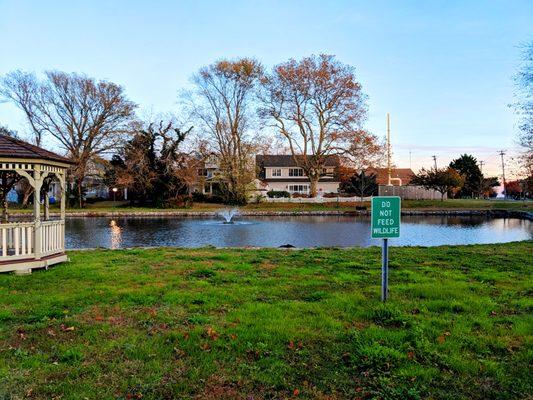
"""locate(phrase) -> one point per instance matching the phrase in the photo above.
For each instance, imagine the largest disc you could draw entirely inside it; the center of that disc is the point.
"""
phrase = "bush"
(258, 198)
(330, 195)
(276, 194)
(181, 201)
(300, 196)
(206, 198)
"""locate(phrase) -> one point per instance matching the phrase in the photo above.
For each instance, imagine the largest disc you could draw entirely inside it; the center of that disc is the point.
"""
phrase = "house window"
(276, 172)
(299, 188)
(296, 172)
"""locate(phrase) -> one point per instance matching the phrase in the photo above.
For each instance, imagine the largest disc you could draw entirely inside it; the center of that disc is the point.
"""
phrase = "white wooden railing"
(52, 237)
(18, 239)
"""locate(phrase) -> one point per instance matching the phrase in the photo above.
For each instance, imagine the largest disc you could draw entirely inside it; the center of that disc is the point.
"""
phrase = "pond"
(299, 231)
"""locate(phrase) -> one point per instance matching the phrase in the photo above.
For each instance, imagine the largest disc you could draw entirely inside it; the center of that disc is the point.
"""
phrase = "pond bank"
(256, 213)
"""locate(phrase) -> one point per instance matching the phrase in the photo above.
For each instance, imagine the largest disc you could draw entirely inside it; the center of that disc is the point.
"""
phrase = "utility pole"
(389, 170)
(435, 161)
(481, 163)
(502, 153)
(410, 167)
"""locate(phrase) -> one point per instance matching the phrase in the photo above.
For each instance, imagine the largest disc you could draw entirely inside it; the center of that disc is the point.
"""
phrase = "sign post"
(385, 224)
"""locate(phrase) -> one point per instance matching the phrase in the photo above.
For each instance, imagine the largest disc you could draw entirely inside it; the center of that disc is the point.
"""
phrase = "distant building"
(207, 175)
(281, 173)
(399, 176)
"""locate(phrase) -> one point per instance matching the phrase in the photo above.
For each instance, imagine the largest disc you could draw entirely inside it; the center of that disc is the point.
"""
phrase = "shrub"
(276, 194)
(300, 195)
(206, 198)
(180, 201)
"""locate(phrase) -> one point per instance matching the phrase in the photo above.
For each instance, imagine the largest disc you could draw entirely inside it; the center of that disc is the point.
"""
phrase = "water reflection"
(116, 235)
(302, 231)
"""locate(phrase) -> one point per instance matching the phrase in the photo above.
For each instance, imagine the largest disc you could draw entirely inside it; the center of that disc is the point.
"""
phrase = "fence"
(410, 192)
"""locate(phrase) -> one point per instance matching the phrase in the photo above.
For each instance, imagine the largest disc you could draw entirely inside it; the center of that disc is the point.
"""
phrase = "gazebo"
(25, 245)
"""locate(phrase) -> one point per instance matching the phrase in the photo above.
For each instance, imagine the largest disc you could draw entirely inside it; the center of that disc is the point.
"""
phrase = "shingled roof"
(405, 174)
(287, 160)
(15, 148)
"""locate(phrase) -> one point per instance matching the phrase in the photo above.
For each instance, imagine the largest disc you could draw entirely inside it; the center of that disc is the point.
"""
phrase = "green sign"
(385, 217)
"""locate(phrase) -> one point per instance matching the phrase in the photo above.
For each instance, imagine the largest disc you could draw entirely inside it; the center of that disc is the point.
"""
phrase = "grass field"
(271, 324)
(433, 205)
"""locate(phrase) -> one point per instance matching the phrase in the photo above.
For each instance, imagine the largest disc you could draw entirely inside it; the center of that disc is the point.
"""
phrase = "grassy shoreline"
(267, 323)
(407, 205)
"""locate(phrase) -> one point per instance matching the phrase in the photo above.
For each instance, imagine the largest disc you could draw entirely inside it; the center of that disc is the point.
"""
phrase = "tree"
(524, 108)
(442, 180)
(8, 179)
(488, 185)
(360, 184)
(87, 118)
(151, 165)
(514, 189)
(467, 166)
(317, 106)
(222, 104)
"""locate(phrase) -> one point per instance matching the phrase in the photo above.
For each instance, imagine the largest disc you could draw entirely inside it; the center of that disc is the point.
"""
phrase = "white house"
(280, 172)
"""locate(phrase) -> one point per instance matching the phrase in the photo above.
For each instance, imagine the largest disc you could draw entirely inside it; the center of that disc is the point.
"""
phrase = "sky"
(442, 69)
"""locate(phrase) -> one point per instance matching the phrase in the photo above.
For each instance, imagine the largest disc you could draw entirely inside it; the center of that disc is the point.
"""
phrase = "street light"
(114, 194)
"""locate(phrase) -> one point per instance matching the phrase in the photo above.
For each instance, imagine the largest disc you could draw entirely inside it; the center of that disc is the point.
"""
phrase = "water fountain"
(228, 215)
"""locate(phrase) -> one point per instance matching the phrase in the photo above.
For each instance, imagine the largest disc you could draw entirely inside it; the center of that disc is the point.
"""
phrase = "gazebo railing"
(52, 236)
(17, 239)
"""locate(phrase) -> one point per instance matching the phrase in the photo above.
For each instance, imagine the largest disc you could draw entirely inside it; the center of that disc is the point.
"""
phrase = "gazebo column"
(63, 185)
(46, 206)
(37, 231)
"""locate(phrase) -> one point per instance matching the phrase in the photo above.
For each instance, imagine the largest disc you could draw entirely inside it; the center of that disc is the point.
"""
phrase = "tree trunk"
(26, 198)
(5, 216)
(313, 183)
(362, 185)
(441, 196)
(80, 200)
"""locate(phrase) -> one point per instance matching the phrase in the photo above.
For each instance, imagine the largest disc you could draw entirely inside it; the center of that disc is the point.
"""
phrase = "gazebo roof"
(17, 149)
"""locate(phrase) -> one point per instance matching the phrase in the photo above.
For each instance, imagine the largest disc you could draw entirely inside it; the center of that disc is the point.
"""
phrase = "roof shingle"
(15, 148)
(287, 160)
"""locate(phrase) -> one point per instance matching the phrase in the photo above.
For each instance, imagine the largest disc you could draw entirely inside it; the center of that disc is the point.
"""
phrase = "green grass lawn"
(432, 205)
(271, 324)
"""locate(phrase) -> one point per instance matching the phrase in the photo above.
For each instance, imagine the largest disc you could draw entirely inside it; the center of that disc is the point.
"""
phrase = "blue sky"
(443, 69)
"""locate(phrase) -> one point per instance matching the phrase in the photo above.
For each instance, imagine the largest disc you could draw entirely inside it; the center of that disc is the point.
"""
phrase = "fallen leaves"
(65, 328)
(292, 346)
(442, 338)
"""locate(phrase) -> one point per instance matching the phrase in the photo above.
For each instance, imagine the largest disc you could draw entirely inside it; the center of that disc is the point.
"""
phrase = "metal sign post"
(385, 224)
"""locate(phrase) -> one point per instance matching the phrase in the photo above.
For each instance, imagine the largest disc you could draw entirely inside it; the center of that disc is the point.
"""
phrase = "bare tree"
(524, 108)
(22, 88)
(317, 105)
(85, 117)
(221, 103)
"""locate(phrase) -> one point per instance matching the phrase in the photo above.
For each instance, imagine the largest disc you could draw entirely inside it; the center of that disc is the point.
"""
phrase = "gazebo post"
(46, 207)
(37, 211)
(62, 183)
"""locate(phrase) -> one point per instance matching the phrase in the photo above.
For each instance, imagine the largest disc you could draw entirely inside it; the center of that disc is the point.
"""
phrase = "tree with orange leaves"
(317, 105)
